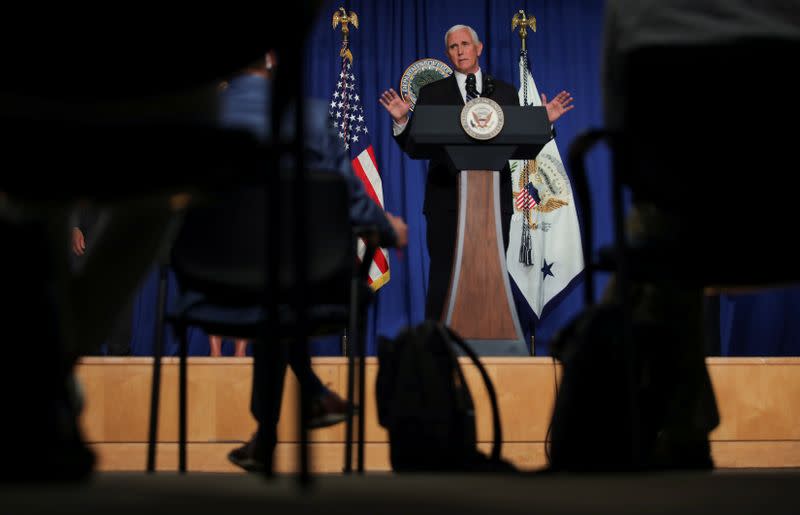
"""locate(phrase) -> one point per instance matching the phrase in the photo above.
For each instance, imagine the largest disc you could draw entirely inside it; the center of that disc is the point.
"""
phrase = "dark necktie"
(472, 92)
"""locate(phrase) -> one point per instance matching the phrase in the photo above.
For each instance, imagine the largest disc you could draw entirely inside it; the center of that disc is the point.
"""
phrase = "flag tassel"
(526, 247)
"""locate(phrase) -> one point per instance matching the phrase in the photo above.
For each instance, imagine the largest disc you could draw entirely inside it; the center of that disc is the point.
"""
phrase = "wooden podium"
(480, 306)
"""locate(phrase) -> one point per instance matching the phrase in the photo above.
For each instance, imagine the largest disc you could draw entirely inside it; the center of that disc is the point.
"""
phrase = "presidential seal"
(420, 73)
(542, 186)
(482, 118)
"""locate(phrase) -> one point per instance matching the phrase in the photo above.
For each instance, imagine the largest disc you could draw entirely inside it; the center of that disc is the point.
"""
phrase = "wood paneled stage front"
(758, 398)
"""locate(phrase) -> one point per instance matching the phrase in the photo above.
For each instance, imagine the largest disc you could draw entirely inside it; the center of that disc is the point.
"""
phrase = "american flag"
(527, 198)
(347, 116)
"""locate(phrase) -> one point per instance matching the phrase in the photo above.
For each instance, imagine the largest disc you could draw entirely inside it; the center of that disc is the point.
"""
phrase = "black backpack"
(425, 404)
(593, 428)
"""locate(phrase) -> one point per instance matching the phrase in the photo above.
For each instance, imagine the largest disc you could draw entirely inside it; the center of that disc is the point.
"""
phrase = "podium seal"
(420, 73)
(482, 118)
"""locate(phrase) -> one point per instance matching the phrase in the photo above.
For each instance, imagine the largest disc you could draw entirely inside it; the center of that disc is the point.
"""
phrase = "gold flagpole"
(342, 17)
(523, 21)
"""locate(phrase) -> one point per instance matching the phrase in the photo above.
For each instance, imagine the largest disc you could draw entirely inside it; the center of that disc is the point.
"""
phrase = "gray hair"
(454, 28)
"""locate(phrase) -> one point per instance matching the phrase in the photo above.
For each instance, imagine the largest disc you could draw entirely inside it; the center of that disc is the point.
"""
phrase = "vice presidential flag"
(544, 252)
(347, 115)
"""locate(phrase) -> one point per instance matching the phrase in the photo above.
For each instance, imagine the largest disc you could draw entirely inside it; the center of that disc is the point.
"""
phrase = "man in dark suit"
(441, 191)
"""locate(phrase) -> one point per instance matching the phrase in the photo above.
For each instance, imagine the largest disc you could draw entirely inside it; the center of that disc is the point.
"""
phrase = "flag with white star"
(347, 116)
(545, 253)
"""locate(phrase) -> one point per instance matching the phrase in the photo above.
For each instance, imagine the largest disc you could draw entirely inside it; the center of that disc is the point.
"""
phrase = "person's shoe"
(327, 409)
(246, 457)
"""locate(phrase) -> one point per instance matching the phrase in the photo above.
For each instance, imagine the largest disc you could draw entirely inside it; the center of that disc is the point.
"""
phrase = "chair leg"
(305, 414)
(577, 153)
(155, 389)
(352, 342)
(184, 345)
(362, 352)
(627, 342)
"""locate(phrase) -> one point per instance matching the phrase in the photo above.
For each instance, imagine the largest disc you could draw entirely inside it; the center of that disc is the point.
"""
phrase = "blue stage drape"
(564, 54)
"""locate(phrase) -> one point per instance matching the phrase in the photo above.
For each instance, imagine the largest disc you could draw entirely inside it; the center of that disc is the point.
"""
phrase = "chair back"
(709, 137)
(222, 250)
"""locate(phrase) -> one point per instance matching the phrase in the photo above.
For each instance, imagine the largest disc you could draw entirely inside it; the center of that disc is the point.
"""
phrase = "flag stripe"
(380, 259)
(371, 169)
(524, 200)
(358, 168)
(375, 270)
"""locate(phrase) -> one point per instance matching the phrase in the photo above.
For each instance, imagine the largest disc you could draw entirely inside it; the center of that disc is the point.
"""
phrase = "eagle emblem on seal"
(543, 186)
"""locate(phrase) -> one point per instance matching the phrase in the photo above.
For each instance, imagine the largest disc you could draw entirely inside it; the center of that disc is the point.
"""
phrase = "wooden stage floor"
(758, 398)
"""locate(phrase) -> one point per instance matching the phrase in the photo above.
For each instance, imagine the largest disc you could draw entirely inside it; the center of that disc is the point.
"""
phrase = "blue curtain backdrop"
(564, 54)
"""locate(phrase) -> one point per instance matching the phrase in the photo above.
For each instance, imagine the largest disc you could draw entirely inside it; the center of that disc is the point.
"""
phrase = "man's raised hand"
(396, 106)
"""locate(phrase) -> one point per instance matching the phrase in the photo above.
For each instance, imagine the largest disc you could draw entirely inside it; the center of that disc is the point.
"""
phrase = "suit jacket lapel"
(483, 83)
(455, 90)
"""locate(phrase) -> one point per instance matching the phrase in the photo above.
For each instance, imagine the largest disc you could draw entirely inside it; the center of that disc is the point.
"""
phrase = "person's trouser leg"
(119, 341)
(301, 366)
(269, 370)
(713, 338)
(441, 239)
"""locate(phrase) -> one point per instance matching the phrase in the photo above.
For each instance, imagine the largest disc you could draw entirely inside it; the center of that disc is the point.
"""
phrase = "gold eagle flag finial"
(524, 22)
(342, 17)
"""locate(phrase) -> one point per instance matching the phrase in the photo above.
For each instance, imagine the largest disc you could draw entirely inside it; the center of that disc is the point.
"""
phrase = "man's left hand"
(558, 106)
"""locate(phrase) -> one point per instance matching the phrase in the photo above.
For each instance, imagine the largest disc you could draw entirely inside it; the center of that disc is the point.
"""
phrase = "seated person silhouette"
(245, 103)
(680, 227)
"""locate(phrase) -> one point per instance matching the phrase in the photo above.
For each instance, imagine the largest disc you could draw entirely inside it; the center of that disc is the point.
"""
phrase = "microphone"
(488, 86)
(471, 87)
